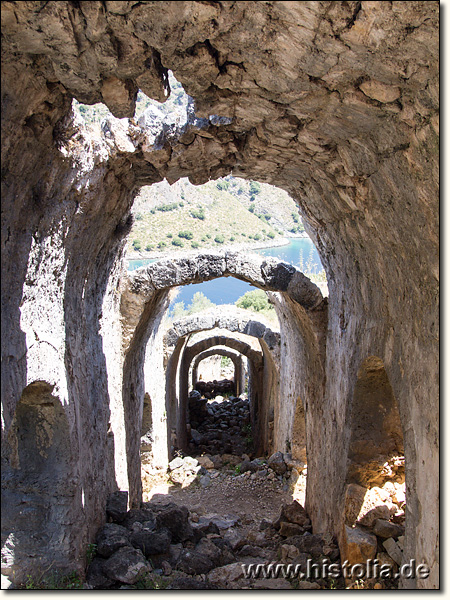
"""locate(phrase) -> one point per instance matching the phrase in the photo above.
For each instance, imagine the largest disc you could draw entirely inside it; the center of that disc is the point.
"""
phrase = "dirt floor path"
(247, 496)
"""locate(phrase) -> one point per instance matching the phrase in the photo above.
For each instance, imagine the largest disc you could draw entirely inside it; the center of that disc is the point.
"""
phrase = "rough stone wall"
(40, 486)
(59, 298)
(302, 354)
(336, 102)
(143, 371)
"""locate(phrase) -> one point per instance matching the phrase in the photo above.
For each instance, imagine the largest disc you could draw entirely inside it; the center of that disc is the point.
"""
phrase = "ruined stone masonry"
(335, 102)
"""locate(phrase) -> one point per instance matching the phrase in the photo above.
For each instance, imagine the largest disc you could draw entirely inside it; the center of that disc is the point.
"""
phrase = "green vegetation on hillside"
(258, 302)
(207, 217)
(223, 212)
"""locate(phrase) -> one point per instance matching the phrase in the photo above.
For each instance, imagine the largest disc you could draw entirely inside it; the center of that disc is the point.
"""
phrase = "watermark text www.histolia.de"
(371, 569)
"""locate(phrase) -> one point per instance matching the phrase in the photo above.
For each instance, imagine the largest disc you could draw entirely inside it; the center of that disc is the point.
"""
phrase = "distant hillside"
(223, 212)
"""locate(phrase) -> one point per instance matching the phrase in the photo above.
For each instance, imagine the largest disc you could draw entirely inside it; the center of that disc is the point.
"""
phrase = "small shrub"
(198, 213)
(257, 236)
(187, 235)
(232, 238)
(252, 209)
(148, 247)
(219, 239)
(177, 242)
(271, 235)
(195, 245)
(222, 185)
(137, 244)
(208, 235)
(255, 300)
(170, 235)
(138, 216)
(162, 245)
(167, 207)
(255, 188)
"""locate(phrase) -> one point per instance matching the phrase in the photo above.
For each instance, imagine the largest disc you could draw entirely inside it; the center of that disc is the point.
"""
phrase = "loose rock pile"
(375, 519)
(163, 545)
(220, 426)
(211, 389)
(280, 469)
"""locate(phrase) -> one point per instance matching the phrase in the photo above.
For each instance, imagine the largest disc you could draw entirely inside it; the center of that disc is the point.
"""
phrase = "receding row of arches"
(236, 358)
(288, 371)
(285, 375)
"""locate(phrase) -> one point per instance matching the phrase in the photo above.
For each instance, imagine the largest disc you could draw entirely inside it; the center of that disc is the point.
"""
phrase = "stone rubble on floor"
(163, 540)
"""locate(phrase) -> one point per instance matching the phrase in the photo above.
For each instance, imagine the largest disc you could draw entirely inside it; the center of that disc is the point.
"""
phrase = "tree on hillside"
(199, 303)
(256, 300)
(255, 188)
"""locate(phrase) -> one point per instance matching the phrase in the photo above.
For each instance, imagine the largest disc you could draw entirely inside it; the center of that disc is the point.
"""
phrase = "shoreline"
(236, 247)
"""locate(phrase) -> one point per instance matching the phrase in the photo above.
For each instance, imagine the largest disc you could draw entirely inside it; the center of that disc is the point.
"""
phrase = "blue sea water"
(227, 290)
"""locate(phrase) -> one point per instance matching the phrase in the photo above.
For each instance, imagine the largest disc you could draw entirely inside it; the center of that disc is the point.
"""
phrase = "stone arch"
(376, 432)
(40, 465)
(227, 317)
(265, 273)
(177, 374)
(235, 358)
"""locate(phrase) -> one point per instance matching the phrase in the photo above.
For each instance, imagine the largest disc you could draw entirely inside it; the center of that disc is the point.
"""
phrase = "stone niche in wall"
(41, 493)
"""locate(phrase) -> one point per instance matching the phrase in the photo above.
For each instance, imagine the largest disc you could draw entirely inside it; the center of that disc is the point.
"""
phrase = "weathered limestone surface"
(335, 102)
